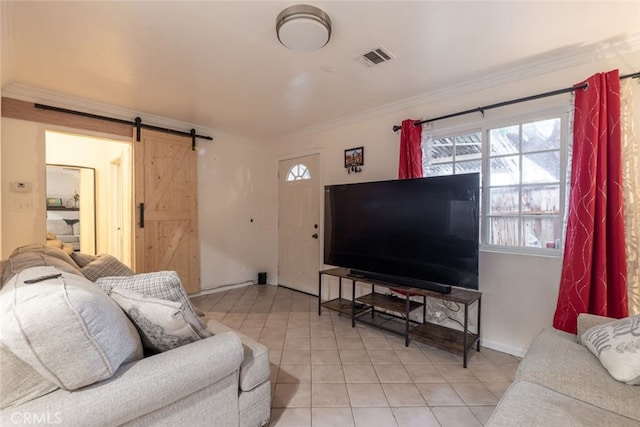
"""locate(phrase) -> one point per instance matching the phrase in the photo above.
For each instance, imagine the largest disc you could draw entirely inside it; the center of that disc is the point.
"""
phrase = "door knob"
(314, 235)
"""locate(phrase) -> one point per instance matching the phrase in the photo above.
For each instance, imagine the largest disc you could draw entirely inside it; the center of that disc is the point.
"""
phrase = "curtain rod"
(137, 123)
(513, 101)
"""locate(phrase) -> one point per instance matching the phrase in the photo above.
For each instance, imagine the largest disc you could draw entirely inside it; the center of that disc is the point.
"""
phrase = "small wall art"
(353, 159)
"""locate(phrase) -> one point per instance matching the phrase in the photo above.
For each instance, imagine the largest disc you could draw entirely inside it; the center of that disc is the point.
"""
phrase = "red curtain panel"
(410, 150)
(594, 273)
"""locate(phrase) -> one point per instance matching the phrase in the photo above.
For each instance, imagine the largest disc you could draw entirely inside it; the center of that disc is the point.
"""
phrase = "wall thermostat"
(21, 187)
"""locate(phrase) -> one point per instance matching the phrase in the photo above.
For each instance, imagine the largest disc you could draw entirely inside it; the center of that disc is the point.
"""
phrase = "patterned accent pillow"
(82, 259)
(160, 284)
(104, 266)
(65, 327)
(617, 345)
(161, 323)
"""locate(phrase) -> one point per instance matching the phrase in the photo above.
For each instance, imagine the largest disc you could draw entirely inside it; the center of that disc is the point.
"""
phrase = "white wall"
(519, 292)
(231, 212)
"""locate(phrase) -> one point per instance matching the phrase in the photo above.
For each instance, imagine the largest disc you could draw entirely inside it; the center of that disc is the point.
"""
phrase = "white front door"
(299, 223)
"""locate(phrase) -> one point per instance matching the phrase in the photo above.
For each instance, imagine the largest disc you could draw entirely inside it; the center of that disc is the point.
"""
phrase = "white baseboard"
(208, 291)
(519, 352)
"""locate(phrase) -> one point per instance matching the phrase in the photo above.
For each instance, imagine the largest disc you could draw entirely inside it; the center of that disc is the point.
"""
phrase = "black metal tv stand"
(363, 309)
(398, 280)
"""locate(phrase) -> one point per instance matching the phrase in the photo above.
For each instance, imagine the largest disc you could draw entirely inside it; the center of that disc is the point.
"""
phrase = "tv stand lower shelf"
(364, 309)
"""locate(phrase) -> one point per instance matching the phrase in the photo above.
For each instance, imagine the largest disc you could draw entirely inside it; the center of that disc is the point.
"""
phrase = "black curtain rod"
(513, 101)
(137, 123)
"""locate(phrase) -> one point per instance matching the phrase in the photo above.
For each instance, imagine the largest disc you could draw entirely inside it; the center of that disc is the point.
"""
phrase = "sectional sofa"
(85, 342)
(561, 382)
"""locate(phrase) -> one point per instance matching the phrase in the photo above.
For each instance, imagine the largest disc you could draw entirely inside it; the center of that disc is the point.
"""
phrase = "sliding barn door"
(166, 207)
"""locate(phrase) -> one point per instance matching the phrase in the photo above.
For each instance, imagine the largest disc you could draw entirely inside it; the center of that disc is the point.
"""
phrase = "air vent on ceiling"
(375, 56)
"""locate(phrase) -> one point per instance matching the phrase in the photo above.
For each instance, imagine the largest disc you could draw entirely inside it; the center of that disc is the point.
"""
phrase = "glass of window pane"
(441, 148)
(504, 140)
(504, 200)
(542, 232)
(504, 171)
(437, 169)
(541, 199)
(468, 146)
(504, 231)
(541, 167)
(540, 136)
(469, 167)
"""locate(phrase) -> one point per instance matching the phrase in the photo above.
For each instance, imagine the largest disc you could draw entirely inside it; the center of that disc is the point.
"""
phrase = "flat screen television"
(421, 232)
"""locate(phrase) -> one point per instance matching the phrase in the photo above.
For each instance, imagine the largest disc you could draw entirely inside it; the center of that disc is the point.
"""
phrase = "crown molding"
(557, 60)
(42, 96)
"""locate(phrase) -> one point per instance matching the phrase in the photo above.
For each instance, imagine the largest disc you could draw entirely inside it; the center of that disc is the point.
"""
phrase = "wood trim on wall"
(23, 110)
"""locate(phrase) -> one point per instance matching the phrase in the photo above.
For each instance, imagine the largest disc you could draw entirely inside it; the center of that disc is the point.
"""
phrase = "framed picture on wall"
(353, 157)
(54, 201)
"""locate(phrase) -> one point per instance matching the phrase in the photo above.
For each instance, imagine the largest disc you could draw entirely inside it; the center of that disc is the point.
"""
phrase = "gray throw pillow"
(65, 328)
(160, 284)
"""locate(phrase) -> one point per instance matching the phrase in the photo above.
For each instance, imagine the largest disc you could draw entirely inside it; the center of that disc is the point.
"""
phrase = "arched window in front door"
(298, 172)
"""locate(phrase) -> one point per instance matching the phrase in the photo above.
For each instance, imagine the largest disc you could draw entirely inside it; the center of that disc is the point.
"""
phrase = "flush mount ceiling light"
(303, 27)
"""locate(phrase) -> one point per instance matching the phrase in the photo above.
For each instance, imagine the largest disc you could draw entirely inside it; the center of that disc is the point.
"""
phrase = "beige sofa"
(561, 383)
(220, 380)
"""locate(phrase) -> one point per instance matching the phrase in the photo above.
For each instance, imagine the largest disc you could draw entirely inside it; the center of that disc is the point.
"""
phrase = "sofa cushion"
(255, 368)
(161, 284)
(38, 255)
(65, 328)
(617, 346)
(556, 361)
(104, 266)
(587, 321)
(161, 323)
(529, 404)
(20, 382)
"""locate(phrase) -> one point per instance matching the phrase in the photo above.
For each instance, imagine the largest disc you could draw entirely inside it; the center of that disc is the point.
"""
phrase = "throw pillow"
(161, 323)
(160, 284)
(65, 328)
(104, 266)
(20, 382)
(82, 259)
(617, 345)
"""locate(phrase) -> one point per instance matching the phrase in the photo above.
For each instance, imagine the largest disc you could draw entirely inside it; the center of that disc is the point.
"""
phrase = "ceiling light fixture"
(303, 28)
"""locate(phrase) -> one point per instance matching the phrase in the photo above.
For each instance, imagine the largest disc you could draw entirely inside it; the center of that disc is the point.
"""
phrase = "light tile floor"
(326, 373)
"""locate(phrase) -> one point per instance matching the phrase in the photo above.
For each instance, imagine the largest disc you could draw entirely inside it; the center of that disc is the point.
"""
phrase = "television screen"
(424, 229)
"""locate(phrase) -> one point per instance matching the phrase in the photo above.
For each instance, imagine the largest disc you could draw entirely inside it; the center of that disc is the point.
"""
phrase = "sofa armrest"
(587, 321)
(141, 387)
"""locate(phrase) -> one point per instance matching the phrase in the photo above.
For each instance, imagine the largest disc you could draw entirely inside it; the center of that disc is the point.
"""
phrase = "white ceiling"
(218, 64)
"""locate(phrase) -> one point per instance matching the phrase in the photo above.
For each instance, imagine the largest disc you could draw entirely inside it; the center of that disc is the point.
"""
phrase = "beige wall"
(23, 159)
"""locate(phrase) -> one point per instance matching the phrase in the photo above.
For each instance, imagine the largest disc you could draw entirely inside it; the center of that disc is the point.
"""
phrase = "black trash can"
(262, 278)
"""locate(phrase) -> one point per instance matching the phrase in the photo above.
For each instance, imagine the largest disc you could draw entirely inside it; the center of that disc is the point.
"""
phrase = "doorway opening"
(111, 161)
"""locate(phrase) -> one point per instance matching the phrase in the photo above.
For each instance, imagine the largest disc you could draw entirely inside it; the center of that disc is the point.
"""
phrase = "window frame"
(484, 126)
